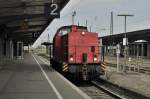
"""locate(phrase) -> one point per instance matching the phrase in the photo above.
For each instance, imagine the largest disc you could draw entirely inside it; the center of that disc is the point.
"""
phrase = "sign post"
(125, 43)
(118, 55)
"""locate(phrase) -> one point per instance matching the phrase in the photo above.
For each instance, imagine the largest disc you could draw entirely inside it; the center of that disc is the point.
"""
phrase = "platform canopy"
(25, 20)
(132, 37)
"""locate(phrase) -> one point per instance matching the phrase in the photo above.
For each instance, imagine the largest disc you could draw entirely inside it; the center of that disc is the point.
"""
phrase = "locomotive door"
(65, 48)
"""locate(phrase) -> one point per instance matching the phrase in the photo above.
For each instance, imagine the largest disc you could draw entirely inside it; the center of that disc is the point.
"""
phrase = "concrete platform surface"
(142, 61)
(31, 78)
(136, 82)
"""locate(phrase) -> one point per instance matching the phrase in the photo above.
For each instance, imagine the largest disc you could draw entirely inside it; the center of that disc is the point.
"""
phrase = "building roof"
(132, 36)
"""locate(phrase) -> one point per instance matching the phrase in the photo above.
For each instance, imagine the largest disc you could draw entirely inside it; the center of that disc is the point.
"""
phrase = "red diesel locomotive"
(76, 52)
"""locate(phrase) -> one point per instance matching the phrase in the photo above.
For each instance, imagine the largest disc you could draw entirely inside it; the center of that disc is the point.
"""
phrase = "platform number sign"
(52, 10)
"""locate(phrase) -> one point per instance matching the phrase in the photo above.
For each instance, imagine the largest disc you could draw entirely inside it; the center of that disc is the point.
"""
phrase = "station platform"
(32, 78)
(143, 61)
(136, 82)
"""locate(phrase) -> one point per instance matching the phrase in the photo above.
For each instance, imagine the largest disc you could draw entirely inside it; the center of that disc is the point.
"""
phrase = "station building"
(138, 43)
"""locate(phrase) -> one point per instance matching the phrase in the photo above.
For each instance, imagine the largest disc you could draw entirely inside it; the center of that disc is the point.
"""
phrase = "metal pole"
(86, 23)
(112, 19)
(137, 54)
(118, 62)
(72, 20)
(0, 53)
(142, 50)
(111, 33)
(125, 26)
(90, 28)
(73, 16)
(118, 55)
(50, 53)
(22, 50)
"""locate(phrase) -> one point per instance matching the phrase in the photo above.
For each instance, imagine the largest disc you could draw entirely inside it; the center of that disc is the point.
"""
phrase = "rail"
(117, 91)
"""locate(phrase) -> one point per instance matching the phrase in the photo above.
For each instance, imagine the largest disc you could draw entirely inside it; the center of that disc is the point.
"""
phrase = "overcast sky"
(97, 12)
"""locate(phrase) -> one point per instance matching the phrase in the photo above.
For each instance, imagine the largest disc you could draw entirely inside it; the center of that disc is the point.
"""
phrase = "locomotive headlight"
(71, 58)
(83, 33)
(95, 59)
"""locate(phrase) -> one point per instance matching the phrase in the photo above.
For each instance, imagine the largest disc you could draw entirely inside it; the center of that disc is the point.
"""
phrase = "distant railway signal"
(24, 25)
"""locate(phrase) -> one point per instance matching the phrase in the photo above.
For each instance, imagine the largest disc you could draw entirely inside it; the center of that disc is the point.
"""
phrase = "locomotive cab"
(77, 52)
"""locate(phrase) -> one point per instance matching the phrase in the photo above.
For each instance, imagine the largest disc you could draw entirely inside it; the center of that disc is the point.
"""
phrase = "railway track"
(101, 89)
(107, 90)
(94, 92)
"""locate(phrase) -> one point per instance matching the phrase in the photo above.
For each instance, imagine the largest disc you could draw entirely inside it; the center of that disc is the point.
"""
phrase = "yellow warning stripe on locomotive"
(65, 68)
(103, 65)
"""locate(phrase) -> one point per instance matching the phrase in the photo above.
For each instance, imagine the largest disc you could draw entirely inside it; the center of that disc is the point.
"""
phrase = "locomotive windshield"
(66, 29)
(82, 29)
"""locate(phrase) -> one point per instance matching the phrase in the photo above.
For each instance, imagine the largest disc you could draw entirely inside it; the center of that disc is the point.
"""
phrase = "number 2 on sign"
(54, 9)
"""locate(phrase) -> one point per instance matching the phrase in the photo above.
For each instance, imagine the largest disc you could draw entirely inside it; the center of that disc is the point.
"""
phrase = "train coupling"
(85, 72)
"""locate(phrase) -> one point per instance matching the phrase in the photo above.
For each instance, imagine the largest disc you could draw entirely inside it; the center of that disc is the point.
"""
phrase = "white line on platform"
(67, 81)
(49, 81)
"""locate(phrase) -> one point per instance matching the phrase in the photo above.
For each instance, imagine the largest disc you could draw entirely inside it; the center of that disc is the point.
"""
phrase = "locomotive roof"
(70, 26)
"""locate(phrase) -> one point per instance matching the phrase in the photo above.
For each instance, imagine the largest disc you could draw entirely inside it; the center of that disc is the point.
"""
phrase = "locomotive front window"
(64, 31)
(82, 29)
